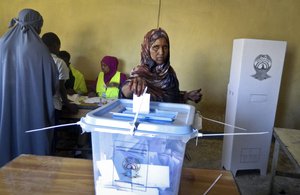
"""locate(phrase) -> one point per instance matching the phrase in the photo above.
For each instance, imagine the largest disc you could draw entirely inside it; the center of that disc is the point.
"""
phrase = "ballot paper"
(79, 99)
(107, 168)
(141, 104)
(76, 98)
(92, 100)
(157, 176)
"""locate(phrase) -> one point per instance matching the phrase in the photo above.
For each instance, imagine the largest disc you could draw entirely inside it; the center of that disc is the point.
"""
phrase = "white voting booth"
(252, 96)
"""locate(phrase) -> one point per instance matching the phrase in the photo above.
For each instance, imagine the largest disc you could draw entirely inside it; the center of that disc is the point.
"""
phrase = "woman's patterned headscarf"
(161, 79)
(149, 39)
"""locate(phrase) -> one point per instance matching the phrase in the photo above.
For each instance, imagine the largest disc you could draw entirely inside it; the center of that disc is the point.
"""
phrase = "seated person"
(109, 79)
(76, 82)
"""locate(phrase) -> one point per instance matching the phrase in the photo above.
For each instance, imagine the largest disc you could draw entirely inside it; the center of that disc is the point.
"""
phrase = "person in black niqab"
(28, 77)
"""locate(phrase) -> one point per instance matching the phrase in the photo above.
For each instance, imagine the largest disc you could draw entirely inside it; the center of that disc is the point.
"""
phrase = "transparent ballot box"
(149, 161)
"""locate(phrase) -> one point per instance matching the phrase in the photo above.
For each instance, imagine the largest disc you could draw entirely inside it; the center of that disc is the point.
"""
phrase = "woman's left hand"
(194, 95)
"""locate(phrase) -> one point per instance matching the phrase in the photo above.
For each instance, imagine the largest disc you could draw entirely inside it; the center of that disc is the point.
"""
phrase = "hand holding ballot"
(137, 86)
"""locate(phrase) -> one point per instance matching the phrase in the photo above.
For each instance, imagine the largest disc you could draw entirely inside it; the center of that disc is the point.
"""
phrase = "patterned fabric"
(161, 80)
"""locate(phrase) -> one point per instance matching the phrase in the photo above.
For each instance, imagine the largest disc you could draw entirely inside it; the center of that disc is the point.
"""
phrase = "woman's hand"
(135, 86)
(194, 95)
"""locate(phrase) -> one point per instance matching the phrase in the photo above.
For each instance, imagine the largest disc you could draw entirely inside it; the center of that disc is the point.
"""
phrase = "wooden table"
(197, 181)
(289, 141)
(31, 174)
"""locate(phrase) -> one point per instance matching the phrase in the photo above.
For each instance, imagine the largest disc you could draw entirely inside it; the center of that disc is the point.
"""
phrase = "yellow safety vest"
(79, 84)
(109, 92)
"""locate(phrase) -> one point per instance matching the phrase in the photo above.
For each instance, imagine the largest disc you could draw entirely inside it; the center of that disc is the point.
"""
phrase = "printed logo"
(131, 166)
(262, 64)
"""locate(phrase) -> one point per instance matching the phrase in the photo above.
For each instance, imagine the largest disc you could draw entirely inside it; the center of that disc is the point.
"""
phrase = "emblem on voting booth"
(262, 64)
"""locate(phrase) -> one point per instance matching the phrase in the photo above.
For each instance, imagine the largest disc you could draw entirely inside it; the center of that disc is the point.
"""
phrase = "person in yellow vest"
(76, 85)
(109, 79)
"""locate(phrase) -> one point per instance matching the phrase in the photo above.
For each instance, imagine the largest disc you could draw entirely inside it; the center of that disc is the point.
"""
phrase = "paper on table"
(92, 100)
(76, 98)
(73, 97)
